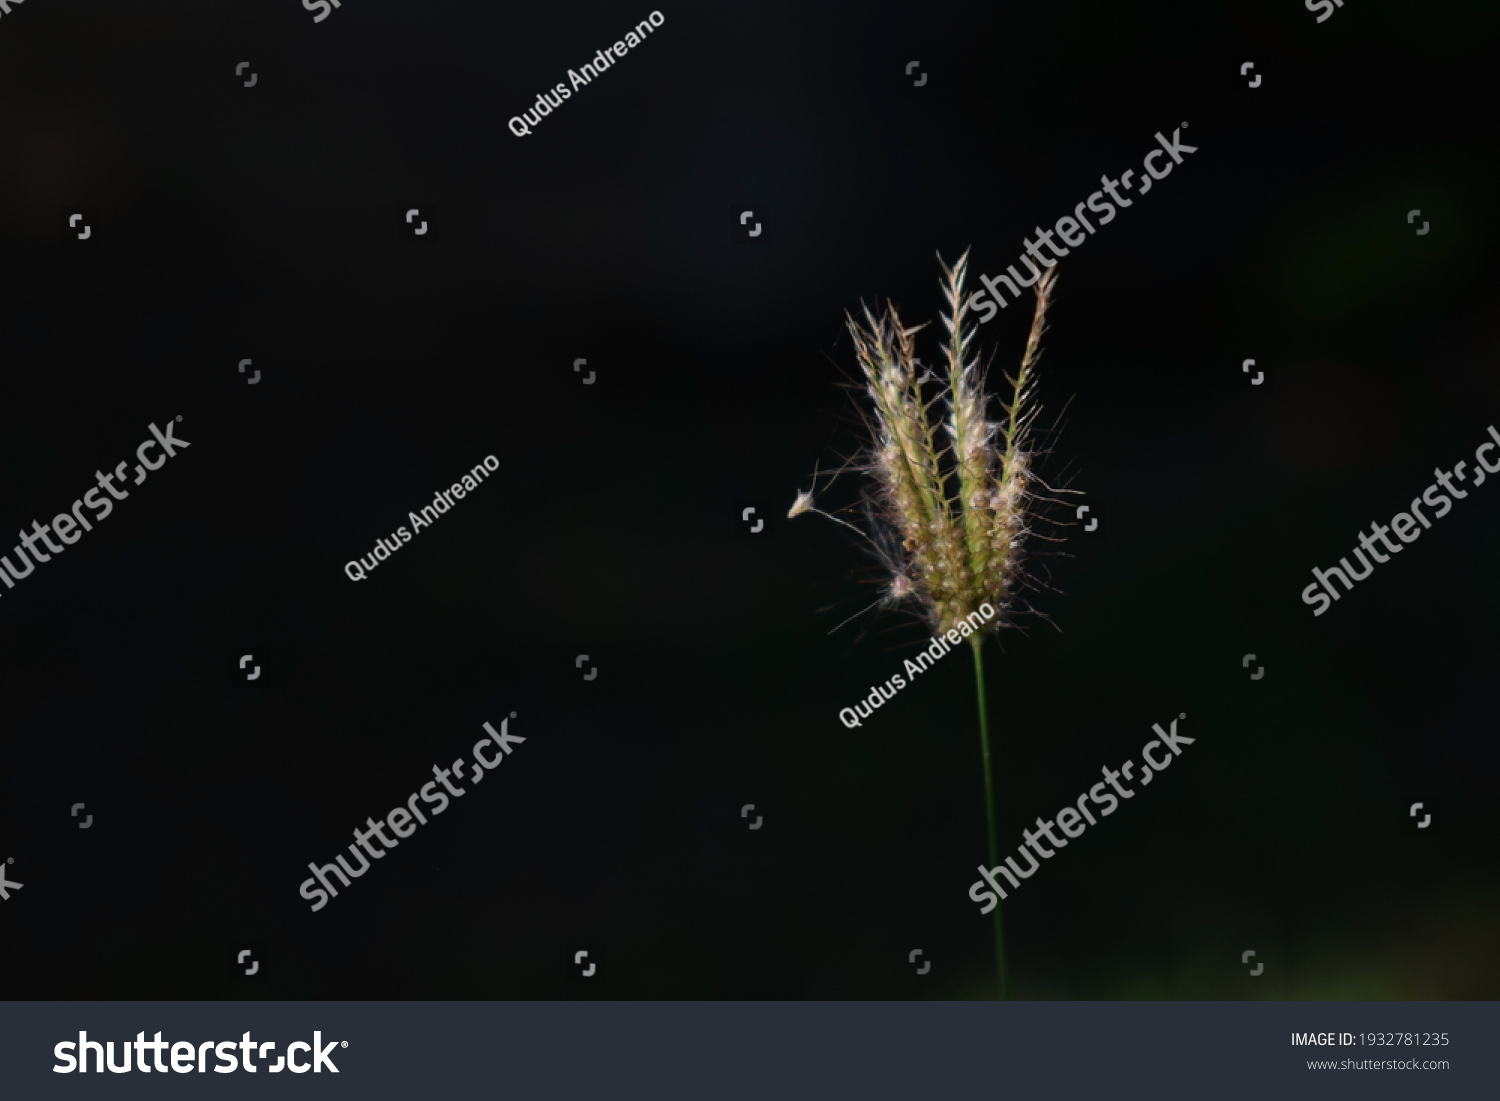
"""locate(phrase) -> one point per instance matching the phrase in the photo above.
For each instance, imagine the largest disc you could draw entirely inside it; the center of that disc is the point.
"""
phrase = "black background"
(265, 223)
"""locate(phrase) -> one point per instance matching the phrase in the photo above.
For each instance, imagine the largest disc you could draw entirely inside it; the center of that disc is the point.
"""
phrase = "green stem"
(989, 808)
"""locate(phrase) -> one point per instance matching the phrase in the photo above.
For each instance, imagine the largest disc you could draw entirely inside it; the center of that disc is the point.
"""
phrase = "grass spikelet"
(955, 493)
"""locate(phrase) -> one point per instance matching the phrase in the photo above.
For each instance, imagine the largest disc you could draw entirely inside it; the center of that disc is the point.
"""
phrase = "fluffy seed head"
(954, 493)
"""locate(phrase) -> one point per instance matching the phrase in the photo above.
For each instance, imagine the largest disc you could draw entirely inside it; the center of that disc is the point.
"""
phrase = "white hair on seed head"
(951, 498)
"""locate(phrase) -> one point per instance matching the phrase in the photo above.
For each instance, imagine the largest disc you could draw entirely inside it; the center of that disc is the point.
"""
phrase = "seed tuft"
(951, 498)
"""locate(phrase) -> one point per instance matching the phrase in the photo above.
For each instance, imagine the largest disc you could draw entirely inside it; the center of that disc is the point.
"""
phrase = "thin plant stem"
(949, 516)
(989, 809)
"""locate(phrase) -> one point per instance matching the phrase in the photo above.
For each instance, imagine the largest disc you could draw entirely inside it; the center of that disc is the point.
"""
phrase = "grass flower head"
(952, 483)
(951, 488)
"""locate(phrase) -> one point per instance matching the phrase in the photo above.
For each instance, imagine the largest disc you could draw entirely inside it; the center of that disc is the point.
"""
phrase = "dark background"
(265, 223)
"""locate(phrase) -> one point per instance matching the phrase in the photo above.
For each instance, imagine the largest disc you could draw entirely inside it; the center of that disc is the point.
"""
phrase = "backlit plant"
(950, 492)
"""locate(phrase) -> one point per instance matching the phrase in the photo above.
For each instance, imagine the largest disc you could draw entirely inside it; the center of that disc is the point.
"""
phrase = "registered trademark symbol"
(1183, 715)
(344, 1044)
(179, 416)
